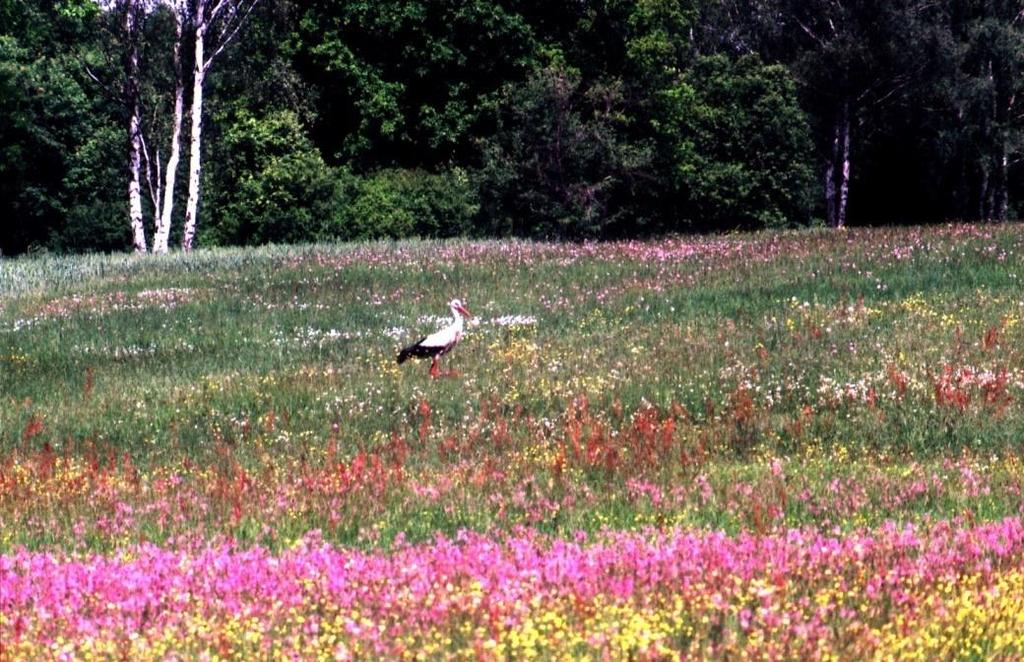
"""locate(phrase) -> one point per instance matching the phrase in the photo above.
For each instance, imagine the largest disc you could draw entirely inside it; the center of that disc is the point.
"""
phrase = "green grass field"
(831, 381)
(825, 349)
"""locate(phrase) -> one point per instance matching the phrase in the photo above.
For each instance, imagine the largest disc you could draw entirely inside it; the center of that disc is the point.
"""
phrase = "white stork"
(439, 343)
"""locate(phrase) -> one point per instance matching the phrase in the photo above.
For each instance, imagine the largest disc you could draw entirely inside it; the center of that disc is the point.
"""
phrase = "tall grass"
(870, 343)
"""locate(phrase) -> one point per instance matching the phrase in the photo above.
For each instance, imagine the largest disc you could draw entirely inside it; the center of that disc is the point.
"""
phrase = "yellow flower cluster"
(603, 629)
(964, 619)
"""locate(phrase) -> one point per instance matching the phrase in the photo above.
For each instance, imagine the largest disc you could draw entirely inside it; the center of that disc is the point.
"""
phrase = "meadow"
(796, 445)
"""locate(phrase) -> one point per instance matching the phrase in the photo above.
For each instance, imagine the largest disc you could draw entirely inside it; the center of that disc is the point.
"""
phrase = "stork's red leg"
(433, 368)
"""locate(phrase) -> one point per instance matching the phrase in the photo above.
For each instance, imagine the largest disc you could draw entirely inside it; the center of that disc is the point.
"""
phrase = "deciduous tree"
(215, 24)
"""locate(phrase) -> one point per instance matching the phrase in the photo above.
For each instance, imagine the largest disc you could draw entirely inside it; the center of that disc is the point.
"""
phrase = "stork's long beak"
(465, 313)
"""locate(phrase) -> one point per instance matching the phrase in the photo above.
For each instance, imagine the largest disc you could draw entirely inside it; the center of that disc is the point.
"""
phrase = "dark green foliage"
(604, 119)
(404, 82)
(273, 186)
(737, 143)
(408, 203)
(979, 131)
(96, 188)
(41, 112)
(561, 162)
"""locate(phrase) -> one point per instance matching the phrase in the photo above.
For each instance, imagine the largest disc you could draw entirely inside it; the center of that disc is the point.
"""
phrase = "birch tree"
(133, 11)
(216, 21)
(179, 10)
(133, 14)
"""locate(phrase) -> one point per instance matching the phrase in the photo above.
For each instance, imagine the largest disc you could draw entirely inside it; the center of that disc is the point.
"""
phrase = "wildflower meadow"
(783, 445)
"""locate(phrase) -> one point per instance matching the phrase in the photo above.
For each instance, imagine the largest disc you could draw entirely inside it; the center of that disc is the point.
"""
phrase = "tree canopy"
(558, 119)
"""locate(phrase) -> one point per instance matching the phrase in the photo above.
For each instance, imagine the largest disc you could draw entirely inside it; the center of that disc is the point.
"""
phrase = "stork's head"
(457, 307)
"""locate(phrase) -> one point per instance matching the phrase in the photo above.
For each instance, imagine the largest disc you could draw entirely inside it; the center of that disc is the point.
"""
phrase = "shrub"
(273, 186)
(402, 203)
(735, 144)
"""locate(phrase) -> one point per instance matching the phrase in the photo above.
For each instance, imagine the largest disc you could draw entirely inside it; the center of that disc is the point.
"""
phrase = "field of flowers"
(789, 446)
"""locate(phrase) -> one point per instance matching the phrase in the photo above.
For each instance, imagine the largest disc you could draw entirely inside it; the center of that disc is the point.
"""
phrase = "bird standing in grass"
(439, 343)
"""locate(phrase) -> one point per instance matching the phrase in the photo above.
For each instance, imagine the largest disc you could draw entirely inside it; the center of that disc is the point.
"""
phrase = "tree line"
(349, 119)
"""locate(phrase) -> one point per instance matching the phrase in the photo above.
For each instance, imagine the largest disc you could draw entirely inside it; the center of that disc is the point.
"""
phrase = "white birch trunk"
(231, 14)
(844, 182)
(163, 226)
(837, 169)
(152, 181)
(1002, 203)
(134, 134)
(830, 179)
(195, 162)
(134, 188)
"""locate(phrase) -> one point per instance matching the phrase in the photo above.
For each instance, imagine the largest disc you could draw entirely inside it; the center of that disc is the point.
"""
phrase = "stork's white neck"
(457, 319)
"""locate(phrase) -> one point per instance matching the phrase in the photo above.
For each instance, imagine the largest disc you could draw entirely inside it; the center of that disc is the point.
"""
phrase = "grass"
(716, 403)
(845, 353)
